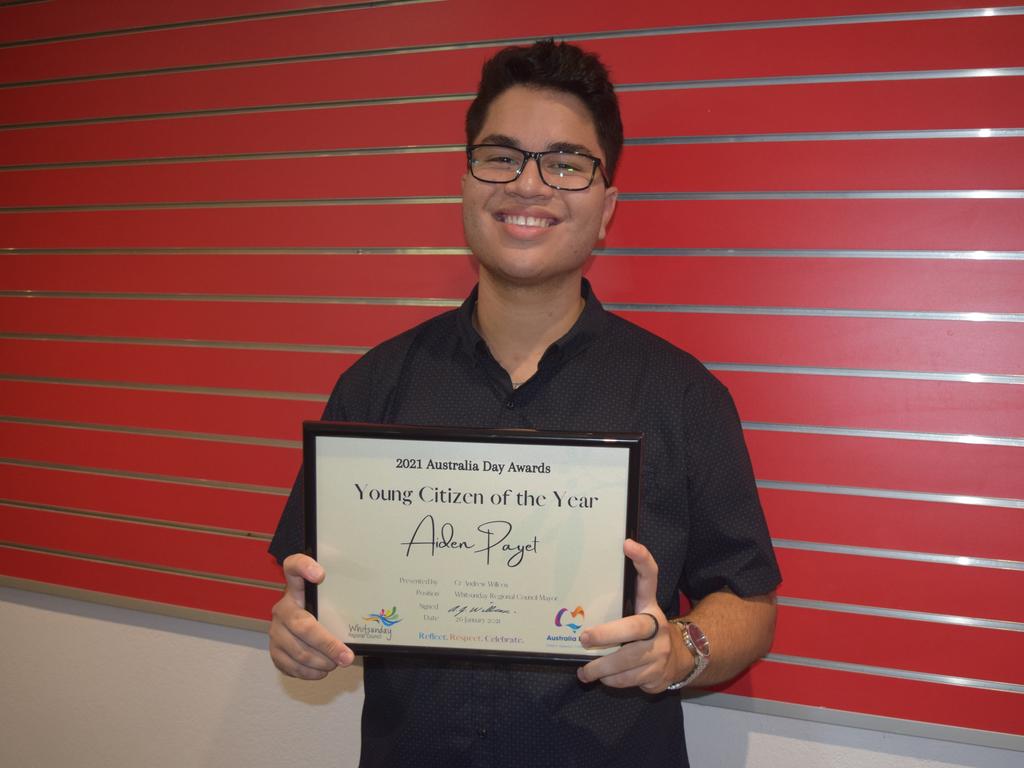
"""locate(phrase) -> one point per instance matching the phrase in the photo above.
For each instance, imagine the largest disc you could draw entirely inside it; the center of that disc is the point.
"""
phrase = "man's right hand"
(299, 645)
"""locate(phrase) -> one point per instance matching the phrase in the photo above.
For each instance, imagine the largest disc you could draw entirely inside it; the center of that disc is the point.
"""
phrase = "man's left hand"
(649, 663)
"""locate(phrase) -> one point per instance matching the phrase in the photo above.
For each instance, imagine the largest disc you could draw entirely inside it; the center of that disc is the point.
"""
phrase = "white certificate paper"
(469, 542)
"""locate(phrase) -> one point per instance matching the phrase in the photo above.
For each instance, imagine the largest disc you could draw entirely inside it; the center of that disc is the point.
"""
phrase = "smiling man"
(532, 347)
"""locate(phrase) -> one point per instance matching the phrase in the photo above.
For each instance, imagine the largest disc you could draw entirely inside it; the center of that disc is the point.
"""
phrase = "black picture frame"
(631, 443)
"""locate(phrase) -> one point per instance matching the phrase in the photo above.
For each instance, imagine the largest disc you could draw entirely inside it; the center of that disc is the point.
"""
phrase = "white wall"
(87, 685)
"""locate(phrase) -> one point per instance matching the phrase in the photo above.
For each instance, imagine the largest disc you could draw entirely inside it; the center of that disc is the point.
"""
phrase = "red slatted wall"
(822, 200)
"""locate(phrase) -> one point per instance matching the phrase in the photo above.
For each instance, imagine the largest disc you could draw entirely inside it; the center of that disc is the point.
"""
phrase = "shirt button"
(481, 732)
(510, 404)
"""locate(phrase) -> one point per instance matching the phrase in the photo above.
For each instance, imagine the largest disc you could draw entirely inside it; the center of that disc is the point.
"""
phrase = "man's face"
(526, 232)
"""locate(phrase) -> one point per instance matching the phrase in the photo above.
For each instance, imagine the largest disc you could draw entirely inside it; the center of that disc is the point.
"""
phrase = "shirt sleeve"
(729, 544)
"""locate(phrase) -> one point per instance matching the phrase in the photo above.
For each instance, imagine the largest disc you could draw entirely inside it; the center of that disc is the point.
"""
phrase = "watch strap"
(701, 657)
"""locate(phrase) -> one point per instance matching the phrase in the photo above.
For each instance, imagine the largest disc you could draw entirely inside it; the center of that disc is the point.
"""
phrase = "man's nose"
(529, 182)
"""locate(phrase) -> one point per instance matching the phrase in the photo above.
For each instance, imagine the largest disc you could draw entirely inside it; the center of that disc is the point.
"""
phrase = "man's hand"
(299, 645)
(650, 663)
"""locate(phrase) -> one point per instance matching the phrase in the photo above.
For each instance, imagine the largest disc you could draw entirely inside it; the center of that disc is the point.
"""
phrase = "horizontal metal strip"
(743, 253)
(663, 31)
(393, 301)
(634, 197)
(144, 251)
(298, 107)
(830, 194)
(425, 149)
(807, 370)
(135, 604)
(208, 22)
(807, 253)
(182, 389)
(970, 378)
(175, 434)
(852, 77)
(376, 301)
(134, 519)
(898, 613)
(758, 138)
(900, 554)
(314, 202)
(885, 434)
(845, 719)
(709, 309)
(668, 85)
(223, 485)
(143, 566)
(200, 343)
(890, 493)
(903, 674)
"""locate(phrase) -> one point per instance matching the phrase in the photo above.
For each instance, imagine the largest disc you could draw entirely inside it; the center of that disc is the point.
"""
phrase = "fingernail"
(585, 639)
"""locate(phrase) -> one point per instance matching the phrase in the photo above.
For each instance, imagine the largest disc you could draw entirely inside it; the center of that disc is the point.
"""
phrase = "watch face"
(699, 640)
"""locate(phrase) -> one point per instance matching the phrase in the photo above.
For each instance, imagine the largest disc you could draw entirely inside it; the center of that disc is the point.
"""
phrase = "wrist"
(697, 647)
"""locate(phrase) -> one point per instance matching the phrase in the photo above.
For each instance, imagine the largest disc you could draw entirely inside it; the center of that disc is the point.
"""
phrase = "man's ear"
(611, 196)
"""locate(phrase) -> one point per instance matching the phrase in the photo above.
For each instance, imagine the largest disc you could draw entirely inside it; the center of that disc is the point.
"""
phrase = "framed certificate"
(469, 542)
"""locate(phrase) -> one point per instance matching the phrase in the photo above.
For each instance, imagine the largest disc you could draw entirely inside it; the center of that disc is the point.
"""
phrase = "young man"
(532, 347)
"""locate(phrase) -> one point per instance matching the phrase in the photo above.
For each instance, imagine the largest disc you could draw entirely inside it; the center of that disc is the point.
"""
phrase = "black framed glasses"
(500, 164)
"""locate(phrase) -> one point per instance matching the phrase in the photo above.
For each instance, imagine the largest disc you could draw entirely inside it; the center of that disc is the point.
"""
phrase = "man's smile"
(521, 220)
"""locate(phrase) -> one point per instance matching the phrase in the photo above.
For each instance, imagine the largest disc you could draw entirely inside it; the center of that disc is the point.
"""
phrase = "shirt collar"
(586, 328)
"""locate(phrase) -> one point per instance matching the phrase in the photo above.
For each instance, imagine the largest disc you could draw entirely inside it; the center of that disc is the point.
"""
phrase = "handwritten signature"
(496, 532)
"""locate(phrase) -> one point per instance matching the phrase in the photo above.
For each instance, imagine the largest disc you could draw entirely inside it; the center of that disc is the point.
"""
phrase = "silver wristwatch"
(697, 643)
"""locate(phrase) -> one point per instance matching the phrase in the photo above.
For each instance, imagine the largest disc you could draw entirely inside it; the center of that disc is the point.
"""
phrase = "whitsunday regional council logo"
(571, 620)
(375, 626)
(385, 618)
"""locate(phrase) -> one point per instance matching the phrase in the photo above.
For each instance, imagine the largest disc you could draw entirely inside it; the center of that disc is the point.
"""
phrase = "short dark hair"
(560, 67)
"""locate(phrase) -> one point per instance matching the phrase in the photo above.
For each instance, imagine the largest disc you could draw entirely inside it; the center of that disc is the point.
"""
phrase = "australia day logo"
(571, 619)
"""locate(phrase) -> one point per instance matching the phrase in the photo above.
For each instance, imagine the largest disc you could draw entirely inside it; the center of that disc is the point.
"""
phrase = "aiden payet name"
(495, 532)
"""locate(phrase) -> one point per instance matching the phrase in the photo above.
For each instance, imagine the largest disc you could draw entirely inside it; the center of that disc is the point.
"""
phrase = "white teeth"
(527, 221)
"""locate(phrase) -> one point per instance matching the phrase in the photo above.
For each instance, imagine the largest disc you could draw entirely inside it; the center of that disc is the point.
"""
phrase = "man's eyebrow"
(499, 138)
(568, 146)
(554, 146)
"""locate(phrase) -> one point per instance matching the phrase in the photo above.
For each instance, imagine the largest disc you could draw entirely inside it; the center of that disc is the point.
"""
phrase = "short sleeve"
(729, 544)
